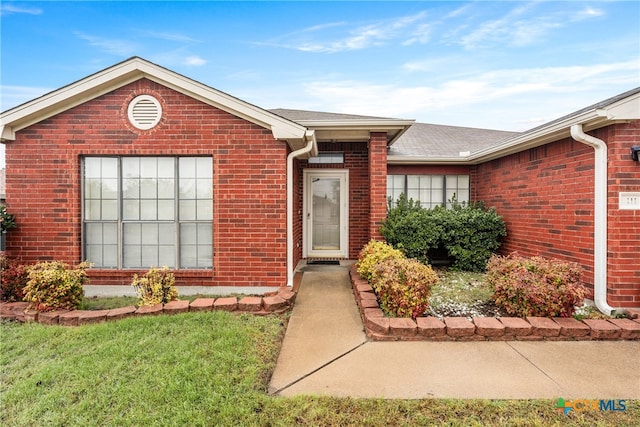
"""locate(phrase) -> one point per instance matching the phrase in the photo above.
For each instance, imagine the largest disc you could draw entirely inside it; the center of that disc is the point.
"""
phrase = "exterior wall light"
(635, 153)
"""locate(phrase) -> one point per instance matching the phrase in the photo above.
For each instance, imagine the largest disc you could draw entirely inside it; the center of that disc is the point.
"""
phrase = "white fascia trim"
(624, 110)
(424, 160)
(129, 71)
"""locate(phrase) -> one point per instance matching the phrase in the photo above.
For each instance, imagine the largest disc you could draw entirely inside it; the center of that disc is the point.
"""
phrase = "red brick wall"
(43, 182)
(545, 196)
(623, 225)
(378, 183)
(428, 170)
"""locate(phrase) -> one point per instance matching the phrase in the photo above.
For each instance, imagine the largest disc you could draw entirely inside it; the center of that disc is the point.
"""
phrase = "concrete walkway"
(325, 352)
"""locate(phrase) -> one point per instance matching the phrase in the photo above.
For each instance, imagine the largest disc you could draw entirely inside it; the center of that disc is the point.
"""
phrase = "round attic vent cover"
(144, 112)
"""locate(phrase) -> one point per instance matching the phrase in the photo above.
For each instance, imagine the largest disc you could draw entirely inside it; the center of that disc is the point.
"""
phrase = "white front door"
(325, 215)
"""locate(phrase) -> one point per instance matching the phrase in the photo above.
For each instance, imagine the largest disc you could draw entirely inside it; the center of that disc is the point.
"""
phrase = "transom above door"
(326, 213)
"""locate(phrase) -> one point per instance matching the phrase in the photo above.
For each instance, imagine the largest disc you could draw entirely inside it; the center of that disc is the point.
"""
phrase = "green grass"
(205, 369)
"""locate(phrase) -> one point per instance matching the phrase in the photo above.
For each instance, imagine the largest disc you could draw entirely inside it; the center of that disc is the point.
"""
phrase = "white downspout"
(311, 146)
(599, 218)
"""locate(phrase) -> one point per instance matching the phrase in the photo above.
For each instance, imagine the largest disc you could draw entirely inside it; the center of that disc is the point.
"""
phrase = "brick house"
(137, 166)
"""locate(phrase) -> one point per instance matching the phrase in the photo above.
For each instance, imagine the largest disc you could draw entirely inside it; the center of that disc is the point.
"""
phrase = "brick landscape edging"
(381, 328)
(278, 302)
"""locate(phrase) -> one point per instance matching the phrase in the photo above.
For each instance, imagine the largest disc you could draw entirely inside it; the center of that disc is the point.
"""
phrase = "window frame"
(201, 261)
(444, 189)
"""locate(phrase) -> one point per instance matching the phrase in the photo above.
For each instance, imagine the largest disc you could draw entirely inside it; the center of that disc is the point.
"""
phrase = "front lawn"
(205, 369)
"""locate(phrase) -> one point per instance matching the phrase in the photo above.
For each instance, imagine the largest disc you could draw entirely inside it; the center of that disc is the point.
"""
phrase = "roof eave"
(426, 160)
(620, 112)
(129, 71)
(356, 130)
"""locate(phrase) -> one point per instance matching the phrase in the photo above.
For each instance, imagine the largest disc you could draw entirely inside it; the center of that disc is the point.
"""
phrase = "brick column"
(377, 182)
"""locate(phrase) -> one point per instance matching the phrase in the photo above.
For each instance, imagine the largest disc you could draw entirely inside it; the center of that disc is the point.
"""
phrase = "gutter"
(312, 148)
(600, 218)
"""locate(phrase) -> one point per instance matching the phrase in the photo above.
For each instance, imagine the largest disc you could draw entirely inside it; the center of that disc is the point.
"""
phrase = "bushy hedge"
(535, 286)
(54, 285)
(403, 286)
(373, 254)
(469, 234)
(156, 286)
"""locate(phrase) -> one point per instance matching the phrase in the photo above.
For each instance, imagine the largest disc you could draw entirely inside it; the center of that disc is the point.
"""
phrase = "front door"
(325, 215)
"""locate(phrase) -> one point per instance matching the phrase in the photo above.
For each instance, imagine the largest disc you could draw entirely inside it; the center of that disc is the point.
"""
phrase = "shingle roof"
(306, 115)
(438, 141)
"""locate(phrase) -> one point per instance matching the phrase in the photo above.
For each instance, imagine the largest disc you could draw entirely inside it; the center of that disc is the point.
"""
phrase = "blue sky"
(508, 65)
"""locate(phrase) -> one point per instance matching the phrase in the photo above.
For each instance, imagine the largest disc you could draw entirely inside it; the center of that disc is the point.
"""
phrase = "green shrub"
(13, 279)
(535, 286)
(403, 286)
(472, 234)
(373, 254)
(53, 285)
(469, 234)
(7, 220)
(412, 229)
(156, 286)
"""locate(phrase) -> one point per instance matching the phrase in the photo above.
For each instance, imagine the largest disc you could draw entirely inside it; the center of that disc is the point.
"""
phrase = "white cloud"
(519, 27)
(9, 9)
(169, 36)
(377, 33)
(521, 96)
(587, 12)
(194, 61)
(117, 47)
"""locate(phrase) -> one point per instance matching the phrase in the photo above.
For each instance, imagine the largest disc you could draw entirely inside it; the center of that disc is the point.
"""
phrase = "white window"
(327, 158)
(429, 190)
(142, 212)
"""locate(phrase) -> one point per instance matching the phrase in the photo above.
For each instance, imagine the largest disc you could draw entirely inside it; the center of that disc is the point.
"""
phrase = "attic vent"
(144, 112)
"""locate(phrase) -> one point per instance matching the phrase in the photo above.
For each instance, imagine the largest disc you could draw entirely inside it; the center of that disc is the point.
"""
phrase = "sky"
(509, 65)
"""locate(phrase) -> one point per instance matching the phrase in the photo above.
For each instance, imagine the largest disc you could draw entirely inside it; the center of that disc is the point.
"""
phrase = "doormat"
(323, 262)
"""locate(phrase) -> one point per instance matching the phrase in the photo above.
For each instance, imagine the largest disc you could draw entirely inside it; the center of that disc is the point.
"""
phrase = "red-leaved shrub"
(403, 286)
(13, 279)
(535, 286)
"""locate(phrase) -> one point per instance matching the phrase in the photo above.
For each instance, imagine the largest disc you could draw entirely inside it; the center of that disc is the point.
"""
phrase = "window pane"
(148, 167)
(166, 234)
(131, 167)
(148, 188)
(205, 234)
(187, 188)
(148, 210)
(166, 256)
(132, 234)
(109, 188)
(92, 167)
(204, 168)
(92, 209)
(204, 190)
(187, 210)
(132, 256)
(166, 189)
(130, 210)
(187, 167)
(149, 234)
(166, 168)
(131, 188)
(166, 211)
(188, 234)
(205, 210)
(110, 210)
